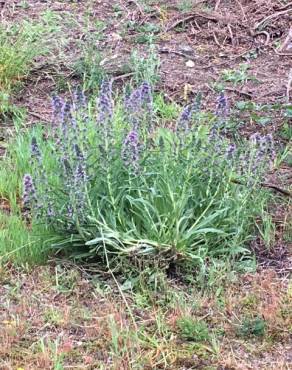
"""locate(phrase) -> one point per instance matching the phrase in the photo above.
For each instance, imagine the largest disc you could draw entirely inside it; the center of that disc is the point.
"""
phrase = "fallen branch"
(210, 16)
(168, 51)
(268, 186)
(287, 40)
(284, 7)
(272, 16)
(289, 84)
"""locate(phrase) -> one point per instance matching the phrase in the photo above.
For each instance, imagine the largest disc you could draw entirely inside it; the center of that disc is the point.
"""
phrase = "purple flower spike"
(57, 105)
(255, 138)
(230, 151)
(29, 192)
(222, 105)
(130, 151)
(79, 98)
(105, 103)
(35, 150)
(185, 118)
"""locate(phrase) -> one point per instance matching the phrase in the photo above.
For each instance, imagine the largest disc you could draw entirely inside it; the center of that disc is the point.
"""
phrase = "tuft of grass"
(252, 327)
(19, 243)
(193, 330)
(20, 45)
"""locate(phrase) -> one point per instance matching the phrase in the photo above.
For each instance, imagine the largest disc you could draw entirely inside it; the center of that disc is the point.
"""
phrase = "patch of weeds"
(51, 351)
(117, 10)
(89, 69)
(166, 111)
(53, 317)
(286, 131)
(145, 68)
(65, 281)
(185, 5)
(147, 33)
(193, 330)
(17, 242)
(239, 76)
(288, 229)
(288, 111)
(252, 327)
(267, 230)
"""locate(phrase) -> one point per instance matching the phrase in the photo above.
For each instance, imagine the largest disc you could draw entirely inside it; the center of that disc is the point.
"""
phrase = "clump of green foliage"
(252, 327)
(114, 185)
(193, 330)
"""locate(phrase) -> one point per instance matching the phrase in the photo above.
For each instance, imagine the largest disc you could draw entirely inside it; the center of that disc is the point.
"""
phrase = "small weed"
(145, 68)
(185, 5)
(267, 230)
(88, 68)
(193, 330)
(239, 76)
(53, 317)
(286, 131)
(252, 327)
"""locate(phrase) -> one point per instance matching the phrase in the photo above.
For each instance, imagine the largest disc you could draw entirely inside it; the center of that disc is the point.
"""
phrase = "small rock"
(190, 64)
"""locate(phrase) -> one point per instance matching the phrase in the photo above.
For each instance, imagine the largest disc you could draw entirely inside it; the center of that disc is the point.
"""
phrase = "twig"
(123, 76)
(289, 85)
(210, 16)
(272, 16)
(216, 40)
(231, 34)
(242, 10)
(239, 92)
(284, 7)
(168, 51)
(268, 37)
(287, 40)
(217, 5)
(269, 186)
(226, 61)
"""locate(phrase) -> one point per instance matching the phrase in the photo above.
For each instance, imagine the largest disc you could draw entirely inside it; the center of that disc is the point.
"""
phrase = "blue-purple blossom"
(222, 105)
(130, 150)
(105, 102)
(57, 105)
(185, 119)
(29, 193)
(35, 150)
(230, 151)
(79, 98)
(139, 102)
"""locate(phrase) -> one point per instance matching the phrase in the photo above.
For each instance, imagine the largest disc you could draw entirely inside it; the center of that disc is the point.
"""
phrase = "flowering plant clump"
(111, 182)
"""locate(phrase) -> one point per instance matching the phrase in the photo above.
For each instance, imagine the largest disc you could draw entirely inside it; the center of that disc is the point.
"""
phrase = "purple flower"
(105, 103)
(79, 98)
(35, 150)
(185, 118)
(133, 102)
(130, 150)
(230, 151)
(222, 105)
(255, 138)
(57, 105)
(29, 193)
(139, 102)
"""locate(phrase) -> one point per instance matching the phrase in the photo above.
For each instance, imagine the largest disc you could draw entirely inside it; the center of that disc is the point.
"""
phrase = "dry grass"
(55, 318)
